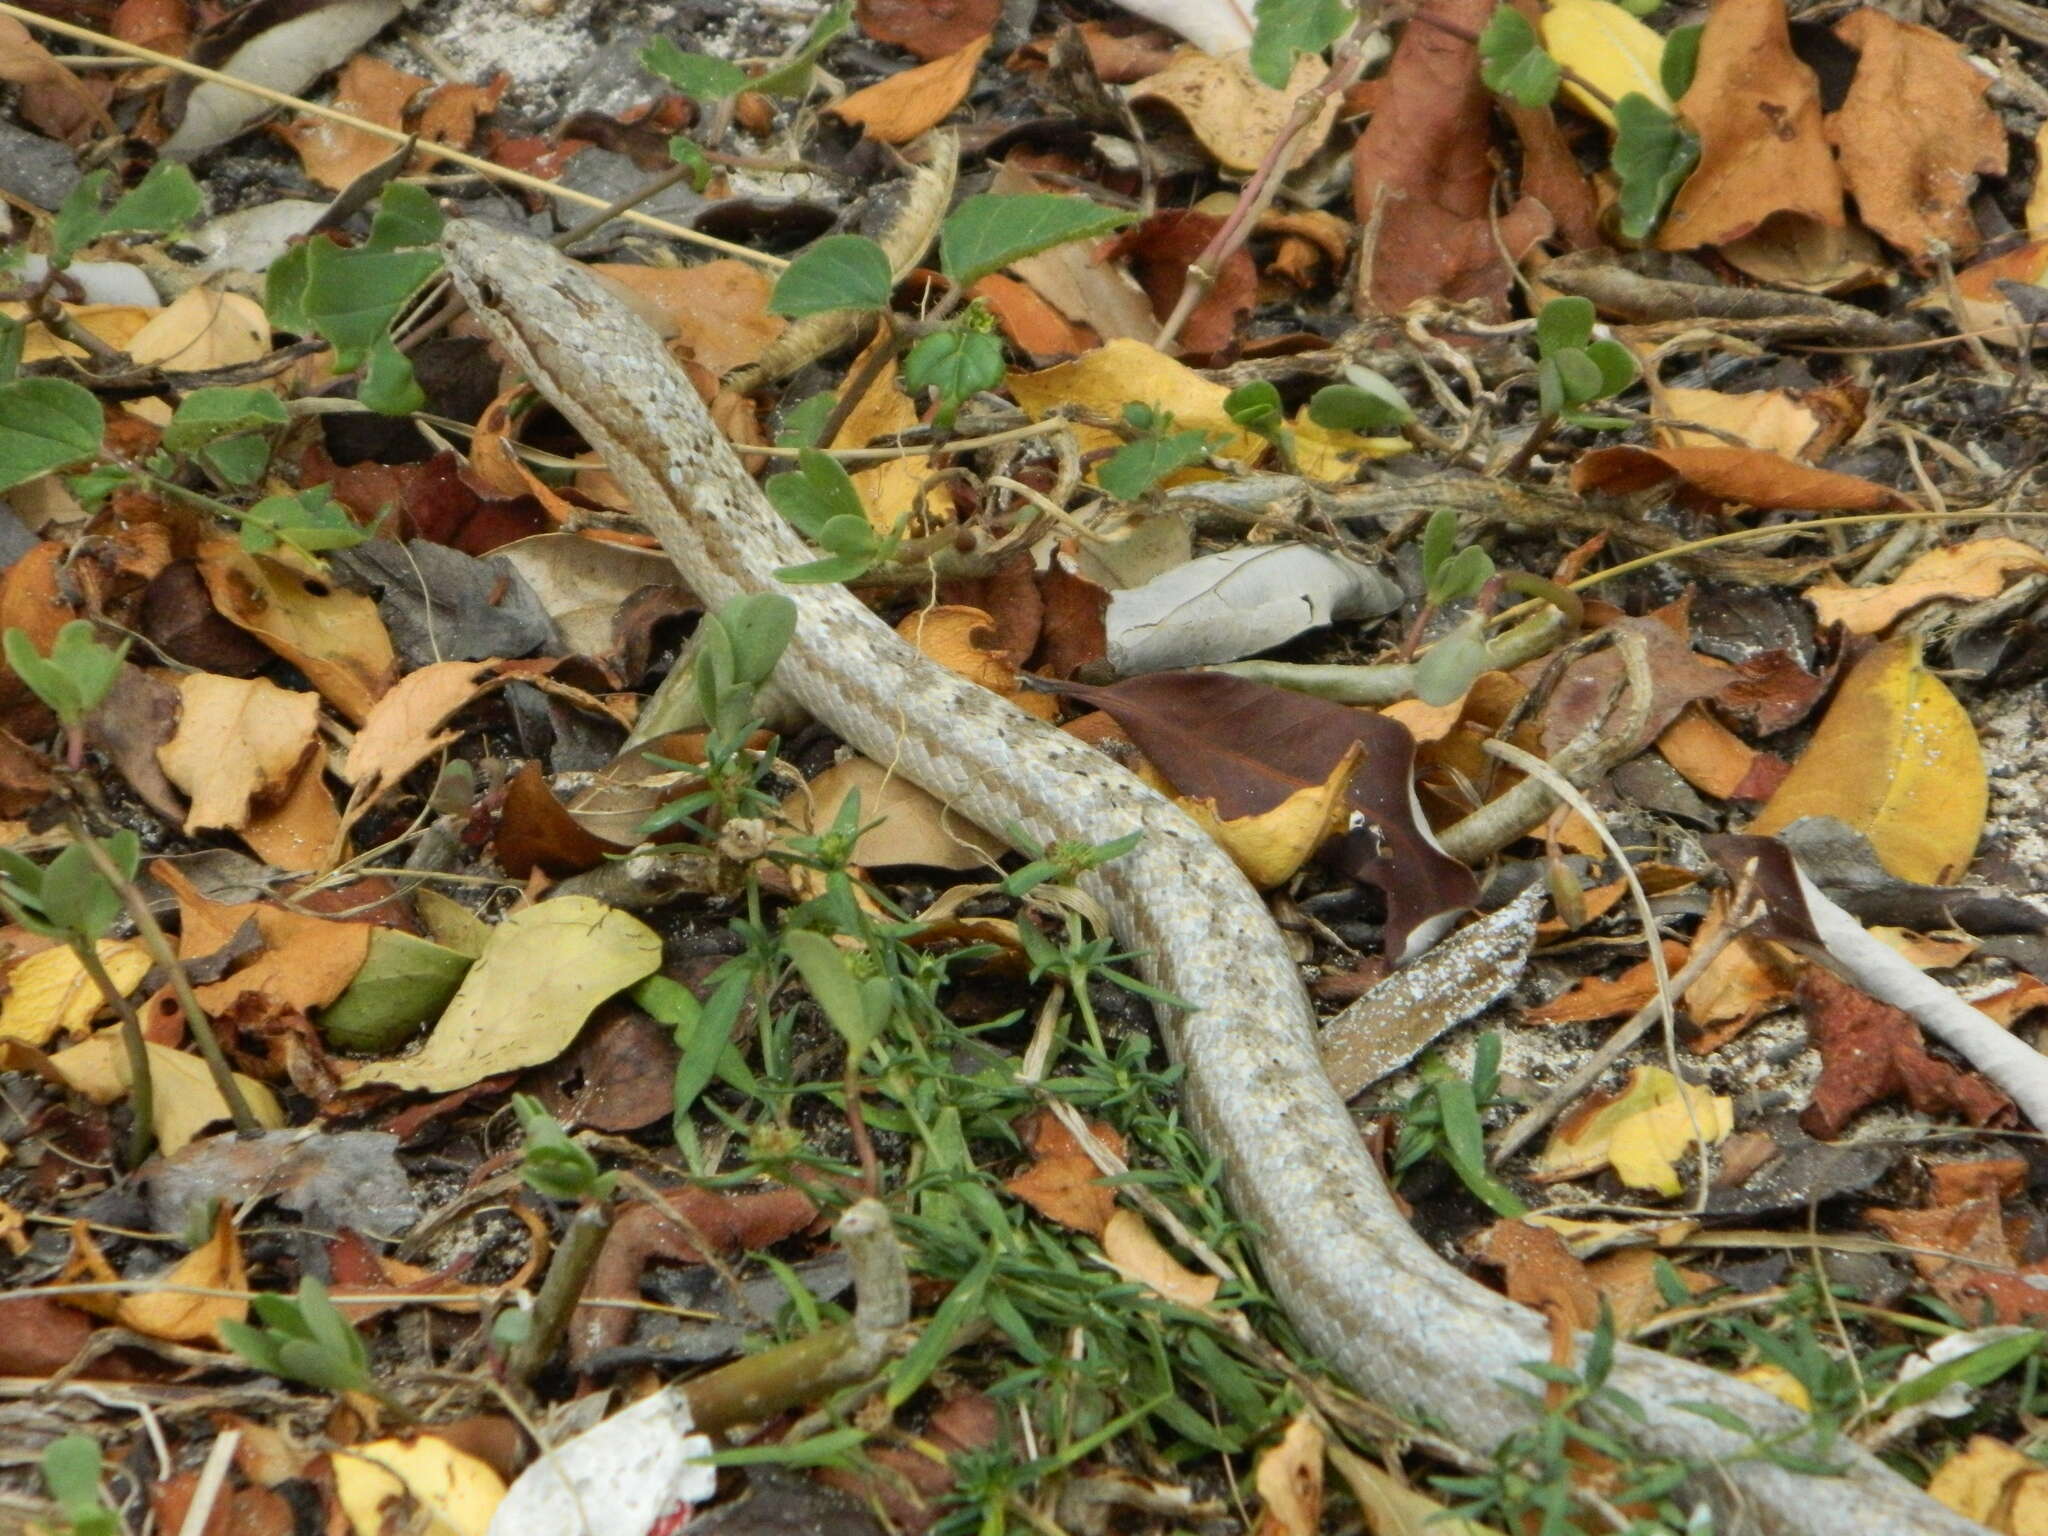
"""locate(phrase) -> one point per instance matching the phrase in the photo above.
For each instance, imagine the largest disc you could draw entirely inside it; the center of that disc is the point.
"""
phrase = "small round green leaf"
(45, 425)
(837, 272)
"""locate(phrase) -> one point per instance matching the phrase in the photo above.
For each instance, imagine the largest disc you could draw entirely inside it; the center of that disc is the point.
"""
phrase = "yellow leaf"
(1289, 1478)
(203, 329)
(1272, 845)
(455, 1493)
(1637, 1131)
(1236, 115)
(173, 1312)
(1607, 46)
(1897, 759)
(1109, 378)
(1134, 1252)
(1325, 453)
(894, 489)
(186, 1102)
(1984, 1479)
(240, 743)
(1980, 568)
(1780, 1383)
(50, 992)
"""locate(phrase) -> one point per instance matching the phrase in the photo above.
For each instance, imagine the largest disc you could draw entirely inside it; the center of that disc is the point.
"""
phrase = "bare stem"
(568, 1274)
(141, 1086)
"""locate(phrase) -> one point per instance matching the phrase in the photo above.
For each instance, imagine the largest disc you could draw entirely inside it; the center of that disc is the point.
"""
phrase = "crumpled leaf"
(1289, 1478)
(173, 1314)
(1639, 1131)
(1232, 112)
(1238, 602)
(899, 107)
(1960, 1246)
(49, 992)
(424, 1485)
(1996, 1485)
(1137, 1254)
(963, 640)
(1121, 372)
(1764, 154)
(1897, 759)
(524, 1000)
(1870, 1052)
(333, 636)
(240, 743)
(1063, 1183)
(1958, 572)
(185, 1101)
(1914, 134)
(1423, 177)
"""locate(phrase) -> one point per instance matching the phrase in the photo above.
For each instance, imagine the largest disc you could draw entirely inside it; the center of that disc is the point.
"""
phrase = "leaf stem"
(141, 1086)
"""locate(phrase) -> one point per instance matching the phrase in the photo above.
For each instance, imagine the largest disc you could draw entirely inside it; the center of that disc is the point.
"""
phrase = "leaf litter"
(1830, 319)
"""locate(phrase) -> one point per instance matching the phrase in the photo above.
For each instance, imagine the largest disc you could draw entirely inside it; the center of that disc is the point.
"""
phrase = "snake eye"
(486, 292)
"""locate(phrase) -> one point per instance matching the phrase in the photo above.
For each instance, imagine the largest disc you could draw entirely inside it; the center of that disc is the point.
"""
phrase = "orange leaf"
(1734, 476)
(898, 109)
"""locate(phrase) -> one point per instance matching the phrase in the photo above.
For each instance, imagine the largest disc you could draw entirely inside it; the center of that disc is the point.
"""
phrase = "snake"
(1404, 1326)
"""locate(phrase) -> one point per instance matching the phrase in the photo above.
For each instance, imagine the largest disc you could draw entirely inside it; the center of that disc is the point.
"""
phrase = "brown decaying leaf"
(931, 29)
(1717, 478)
(332, 635)
(1914, 134)
(306, 962)
(1245, 749)
(1134, 1251)
(1961, 1245)
(63, 106)
(1959, 572)
(1162, 249)
(1550, 170)
(1423, 177)
(728, 1223)
(240, 742)
(1717, 762)
(1679, 675)
(1763, 151)
(1031, 322)
(173, 1314)
(1541, 1274)
(963, 640)
(909, 1485)
(536, 832)
(1063, 1183)
(1601, 997)
(897, 108)
(164, 25)
(1871, 1051)
(714, 314)
(335, 154)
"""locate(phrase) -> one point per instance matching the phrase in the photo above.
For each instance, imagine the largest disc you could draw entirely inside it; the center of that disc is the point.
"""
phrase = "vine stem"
(141, 1085)
(1258, 193)
(159, 946)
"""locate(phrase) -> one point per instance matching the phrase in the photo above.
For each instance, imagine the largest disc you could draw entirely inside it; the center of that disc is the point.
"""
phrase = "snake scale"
(1402, 1325)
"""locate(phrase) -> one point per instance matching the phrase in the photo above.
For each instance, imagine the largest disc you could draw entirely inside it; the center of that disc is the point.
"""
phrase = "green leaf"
(1578, 374)
(284, 288)
(760, 626)
(1512, 60)
(803, 425)
(75, 676)
(1439, 543)
(406, 216)
(696, 75)
(793, 75)
(1255, 406)
(814, 493)
(78, 219)
(1978, 1368)
(684, 151)
(554, 1164)
(45, 425)
(12, 336)
(824, 968)
(311, 521)
(989, 231)
(1462, 575)
(1360, 407)
(958, 364)
(1563, 323)
(352, 296)
(1450, 666)
(1617, 366)
(1653, 154)
(1136, 467)
(1550, 398)
(388, 385)
(207, 415)
(1465, 1148)
(1283, 28)
(166, 199)
(71, 1471)
(837, 272)
(1681, 60)
(404, 981)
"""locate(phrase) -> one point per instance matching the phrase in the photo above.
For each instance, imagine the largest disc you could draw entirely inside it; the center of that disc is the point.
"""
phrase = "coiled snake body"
(1404, 1326)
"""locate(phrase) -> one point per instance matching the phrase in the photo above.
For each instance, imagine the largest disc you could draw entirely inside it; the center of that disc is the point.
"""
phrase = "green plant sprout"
(71, 1469)
(306, 1338)
(1155, 451)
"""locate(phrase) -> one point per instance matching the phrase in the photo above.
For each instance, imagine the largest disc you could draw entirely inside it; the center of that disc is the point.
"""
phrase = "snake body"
(1404, 1326)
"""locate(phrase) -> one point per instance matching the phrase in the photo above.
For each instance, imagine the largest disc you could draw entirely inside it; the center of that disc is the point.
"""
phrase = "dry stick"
(141, 1085)
(482, 167)
(1258, 193)
(152, 935)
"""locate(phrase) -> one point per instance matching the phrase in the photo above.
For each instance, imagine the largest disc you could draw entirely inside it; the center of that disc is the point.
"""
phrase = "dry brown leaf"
(1958, 573)
(898, 108)
(1234, 114)
(1714, 477)
(1063, 1184)
(240, 742)
(1423, 177)
(1914, 134)
(114, 324)
(893, 491)
(1978, 301)
(1030, 320)
(215, 1264)
(716, 312)
(963, 640)
(1715, 761)
(1813, 258)
(303, 830)
(1773, 420)
(203, 328)
(332, 635)
(1897, 759)
(404, 728)
(930, 29)
(909, 826)
(1992, 1483)
(1289, 1479)
(1764, 153)
(335, 154)
(1601, 997)
(27, 63)
(1136, 1254)
(305, 963)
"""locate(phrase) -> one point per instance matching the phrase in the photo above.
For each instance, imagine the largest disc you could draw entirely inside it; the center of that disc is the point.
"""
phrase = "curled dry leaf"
(1958, 573)
(1236, 116)
(1897, 759)
(1764, 153)
(897, 108)
(1996, 1485)
(1914, 134)
(1870, 1052)
(930, 29)
(171, 1313)
(1135, 1253)
(1714, 479)
(1639, 1131)
(905, 825)
(1063, 1183)
(424, 1479)
(333, 636)
(334, 153)
(240, 742)
(963, 640)
(1289, 1478)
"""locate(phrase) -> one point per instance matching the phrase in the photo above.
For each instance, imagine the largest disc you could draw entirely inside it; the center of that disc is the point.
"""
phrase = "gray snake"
(1398, 1322)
